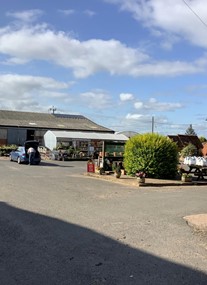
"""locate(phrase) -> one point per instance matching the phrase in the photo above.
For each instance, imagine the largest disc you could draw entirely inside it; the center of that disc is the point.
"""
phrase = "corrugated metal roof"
(48, 121)
(89, 135)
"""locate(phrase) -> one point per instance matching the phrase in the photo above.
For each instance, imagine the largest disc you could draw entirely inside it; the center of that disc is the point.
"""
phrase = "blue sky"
(120, 63)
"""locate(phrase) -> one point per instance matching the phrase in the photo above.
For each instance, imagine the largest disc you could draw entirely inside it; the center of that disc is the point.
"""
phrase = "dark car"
(21, 156)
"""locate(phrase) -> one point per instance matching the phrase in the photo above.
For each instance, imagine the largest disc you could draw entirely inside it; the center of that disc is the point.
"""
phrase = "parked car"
(21, 156)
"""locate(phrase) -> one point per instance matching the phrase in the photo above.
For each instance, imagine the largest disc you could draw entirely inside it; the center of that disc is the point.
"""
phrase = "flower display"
(141, 174)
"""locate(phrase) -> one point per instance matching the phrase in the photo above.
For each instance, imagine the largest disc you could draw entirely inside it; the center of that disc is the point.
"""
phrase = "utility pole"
(153, 124)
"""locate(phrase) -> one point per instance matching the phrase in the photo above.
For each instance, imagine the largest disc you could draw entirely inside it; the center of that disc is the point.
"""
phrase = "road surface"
(58, 226)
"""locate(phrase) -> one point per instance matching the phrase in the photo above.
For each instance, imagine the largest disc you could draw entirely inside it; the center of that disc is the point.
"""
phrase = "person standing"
(31, 152)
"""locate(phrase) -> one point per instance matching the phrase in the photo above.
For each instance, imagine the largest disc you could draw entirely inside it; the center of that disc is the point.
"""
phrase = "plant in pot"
(117, 169)
(141, 175)
(186, 177)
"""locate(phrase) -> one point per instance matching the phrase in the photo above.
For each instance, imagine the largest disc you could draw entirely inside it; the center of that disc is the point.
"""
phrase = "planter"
(186, 179)
(141, 180)
(117, 174)
(123, 172)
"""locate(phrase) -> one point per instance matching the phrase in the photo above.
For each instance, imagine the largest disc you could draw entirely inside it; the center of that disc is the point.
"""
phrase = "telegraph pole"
(153, 124)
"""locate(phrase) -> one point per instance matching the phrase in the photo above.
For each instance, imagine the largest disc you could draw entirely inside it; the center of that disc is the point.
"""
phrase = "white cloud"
(170, 18)
(139, 122)
(153, 105)
(138, 105)
(28, 82)
(27, 92)
(89, 13)
(88, 57)
(148, 123)
(67, 12)
(134, 116)
(85, 58)
(26, 16)
(126, 97)
(97, 99)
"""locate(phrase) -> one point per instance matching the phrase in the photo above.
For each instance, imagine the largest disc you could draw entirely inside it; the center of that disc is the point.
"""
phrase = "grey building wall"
(16, 136)
(39, 136)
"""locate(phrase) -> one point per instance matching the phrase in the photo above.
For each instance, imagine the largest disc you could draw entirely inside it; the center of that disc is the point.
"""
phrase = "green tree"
(189, 150)
(152, 153)
(202, 139)
(190, 131)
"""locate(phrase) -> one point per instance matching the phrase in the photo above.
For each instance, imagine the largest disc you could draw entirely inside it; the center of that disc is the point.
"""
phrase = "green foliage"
(187, 175)
(60, 146)
(154, 154)
(189, 150)
(202, 139)
(6, 149)
(67, 148)
(190, 131)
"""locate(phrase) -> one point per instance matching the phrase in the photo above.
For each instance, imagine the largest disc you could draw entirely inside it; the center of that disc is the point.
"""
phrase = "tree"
(189, 150)
(190, 131)
(202, 139)
(153, 154)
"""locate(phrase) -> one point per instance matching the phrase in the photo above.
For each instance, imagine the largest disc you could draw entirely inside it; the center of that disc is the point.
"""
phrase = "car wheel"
(19, 160)
(10, 158)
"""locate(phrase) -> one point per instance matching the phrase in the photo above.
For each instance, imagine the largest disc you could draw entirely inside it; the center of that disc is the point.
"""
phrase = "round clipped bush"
(154, 154)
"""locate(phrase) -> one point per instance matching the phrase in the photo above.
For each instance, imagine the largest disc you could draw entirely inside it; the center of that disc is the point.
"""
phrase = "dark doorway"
(30, 134)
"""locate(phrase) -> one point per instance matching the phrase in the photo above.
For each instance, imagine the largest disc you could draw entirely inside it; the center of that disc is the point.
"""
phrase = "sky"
(128, 65)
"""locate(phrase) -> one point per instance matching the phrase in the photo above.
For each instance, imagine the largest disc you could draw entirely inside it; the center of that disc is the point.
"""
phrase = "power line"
(195, 13)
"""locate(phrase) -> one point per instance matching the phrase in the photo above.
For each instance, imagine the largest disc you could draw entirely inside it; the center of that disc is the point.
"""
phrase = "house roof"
(184, 140)
(88, 135)
(49, 121)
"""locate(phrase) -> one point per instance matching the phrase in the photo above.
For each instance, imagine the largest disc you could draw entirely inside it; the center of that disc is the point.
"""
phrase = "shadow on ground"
(36, 249)
(44, 163)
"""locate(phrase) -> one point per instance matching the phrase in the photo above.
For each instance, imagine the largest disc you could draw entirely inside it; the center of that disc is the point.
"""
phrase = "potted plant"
(141, 175)
(186, 177)
(117, 169)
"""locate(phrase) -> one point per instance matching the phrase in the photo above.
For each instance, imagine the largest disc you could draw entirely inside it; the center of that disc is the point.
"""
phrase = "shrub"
(154, 154)
(189, 150)
(6, 149)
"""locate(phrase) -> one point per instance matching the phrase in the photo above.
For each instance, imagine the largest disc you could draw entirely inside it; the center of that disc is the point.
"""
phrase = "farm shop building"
(17, 127)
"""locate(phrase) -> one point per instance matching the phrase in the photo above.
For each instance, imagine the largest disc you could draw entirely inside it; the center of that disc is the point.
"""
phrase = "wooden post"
(103, 153)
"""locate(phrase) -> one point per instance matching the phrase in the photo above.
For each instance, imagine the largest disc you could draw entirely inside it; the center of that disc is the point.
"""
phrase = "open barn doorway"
(30, 135)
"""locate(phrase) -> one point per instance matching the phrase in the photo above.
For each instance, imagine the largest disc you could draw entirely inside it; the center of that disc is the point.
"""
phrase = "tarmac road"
(60, 227)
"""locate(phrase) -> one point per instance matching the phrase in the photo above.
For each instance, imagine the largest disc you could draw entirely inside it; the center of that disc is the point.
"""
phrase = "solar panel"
(69, 116)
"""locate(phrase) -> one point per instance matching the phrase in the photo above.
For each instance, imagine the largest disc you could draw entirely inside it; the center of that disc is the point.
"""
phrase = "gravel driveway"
(58, 226)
